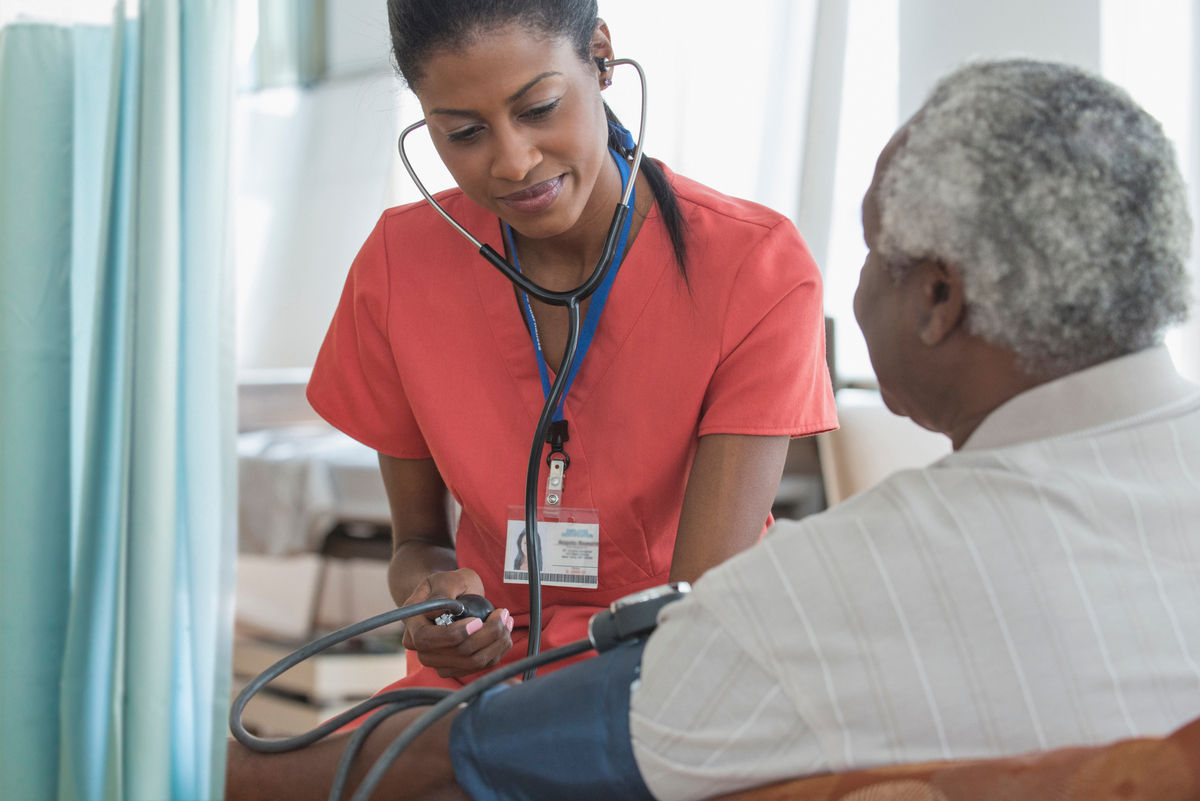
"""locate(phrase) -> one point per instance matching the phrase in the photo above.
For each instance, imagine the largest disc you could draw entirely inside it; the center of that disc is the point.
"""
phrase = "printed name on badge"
(568, 543)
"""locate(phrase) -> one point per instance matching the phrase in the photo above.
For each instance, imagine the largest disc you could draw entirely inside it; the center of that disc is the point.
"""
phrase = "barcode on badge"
(552, 579)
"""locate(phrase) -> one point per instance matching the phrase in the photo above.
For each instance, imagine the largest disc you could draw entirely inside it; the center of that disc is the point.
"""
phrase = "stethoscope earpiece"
(581, 292)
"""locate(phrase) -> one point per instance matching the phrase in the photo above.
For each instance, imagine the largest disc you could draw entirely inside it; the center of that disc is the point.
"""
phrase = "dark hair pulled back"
(421, 27)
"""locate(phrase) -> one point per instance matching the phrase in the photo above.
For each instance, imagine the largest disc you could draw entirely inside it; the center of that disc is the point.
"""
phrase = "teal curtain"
(291, 46)
(117, 403)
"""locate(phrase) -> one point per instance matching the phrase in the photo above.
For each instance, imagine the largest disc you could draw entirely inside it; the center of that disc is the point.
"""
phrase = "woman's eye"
(464, 134)
(471, 132)
(537, 112)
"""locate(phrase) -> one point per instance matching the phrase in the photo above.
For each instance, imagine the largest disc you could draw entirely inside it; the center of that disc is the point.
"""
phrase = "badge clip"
(554, 481)
(557, 460)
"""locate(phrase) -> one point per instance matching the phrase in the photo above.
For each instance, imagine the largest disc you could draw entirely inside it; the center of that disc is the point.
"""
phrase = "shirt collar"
(1102, 394)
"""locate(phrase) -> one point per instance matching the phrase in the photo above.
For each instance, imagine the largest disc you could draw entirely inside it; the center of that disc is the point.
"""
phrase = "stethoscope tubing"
(273, 746)
(571, 300)
(447, 703)
(535, 290)
(439, 700)
(442, 701)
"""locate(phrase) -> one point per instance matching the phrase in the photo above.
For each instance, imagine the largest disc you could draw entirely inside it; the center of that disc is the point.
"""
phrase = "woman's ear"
(942, 297)
(601, 47)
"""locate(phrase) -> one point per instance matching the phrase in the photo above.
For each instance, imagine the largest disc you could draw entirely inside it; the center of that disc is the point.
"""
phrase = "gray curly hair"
(1058, 198)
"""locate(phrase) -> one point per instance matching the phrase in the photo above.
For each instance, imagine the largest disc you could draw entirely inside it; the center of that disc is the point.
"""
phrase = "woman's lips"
(535, 198)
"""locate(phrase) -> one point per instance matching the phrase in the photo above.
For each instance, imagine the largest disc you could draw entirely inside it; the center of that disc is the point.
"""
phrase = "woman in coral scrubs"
(706, 354)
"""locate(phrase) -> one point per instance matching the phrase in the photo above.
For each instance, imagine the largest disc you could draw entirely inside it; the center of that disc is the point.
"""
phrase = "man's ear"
(942, 296)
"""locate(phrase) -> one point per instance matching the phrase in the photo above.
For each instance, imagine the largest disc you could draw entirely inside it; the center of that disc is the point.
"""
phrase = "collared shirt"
(1040, 587)
(1110, 393)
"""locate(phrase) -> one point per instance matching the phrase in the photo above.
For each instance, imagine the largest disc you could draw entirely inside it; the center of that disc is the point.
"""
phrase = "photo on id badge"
(568, 543)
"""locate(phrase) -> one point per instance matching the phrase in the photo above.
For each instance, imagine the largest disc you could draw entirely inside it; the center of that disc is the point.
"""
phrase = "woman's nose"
(515, 155)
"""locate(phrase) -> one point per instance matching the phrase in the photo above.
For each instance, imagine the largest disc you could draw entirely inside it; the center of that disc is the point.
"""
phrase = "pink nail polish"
(504, 616)
(509, 624)
(474, 625)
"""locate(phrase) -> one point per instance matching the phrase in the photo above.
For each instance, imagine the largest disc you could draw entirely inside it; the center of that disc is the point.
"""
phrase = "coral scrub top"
(428, 355)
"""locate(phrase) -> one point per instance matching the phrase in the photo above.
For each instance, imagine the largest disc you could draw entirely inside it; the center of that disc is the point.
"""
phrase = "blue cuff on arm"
(564, 735)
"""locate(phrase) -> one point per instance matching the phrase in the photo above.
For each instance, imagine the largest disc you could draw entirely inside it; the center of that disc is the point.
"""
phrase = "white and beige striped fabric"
(1039, 587)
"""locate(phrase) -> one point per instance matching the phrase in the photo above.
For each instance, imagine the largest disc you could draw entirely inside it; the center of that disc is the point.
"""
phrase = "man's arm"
(563, 735)
(423, 771)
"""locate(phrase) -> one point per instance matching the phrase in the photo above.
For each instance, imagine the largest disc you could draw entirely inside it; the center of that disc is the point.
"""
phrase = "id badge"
(569, 545)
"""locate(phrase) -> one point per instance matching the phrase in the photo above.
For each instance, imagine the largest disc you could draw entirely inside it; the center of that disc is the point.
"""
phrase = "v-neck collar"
(648, 257)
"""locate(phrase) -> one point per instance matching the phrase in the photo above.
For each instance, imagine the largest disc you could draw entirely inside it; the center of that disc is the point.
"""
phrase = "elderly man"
(1027, 232)
(1038, 587)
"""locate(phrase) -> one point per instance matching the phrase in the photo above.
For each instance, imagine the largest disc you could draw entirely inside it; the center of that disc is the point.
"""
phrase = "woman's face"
(517, 119)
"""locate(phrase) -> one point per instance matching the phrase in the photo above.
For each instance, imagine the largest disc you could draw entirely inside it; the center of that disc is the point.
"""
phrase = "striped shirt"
(1037, 588)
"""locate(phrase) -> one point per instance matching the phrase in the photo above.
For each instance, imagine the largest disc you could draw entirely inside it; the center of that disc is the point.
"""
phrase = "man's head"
(1049, 201)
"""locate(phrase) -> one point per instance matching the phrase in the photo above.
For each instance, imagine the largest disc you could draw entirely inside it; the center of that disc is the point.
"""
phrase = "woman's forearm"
(413, 560)
(421, 543)
(729, 494)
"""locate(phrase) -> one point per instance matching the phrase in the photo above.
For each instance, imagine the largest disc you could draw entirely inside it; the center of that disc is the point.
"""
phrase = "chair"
(1146, 769)
(870, 444)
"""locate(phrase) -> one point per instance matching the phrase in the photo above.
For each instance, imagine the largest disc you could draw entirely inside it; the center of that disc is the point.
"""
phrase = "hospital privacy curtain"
(117, 476)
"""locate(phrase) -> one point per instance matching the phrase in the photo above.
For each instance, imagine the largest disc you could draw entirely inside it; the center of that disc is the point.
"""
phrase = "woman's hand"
(465, 646)
(423, 566)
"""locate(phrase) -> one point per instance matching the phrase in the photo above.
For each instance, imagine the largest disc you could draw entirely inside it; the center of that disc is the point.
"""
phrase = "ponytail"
(664, 195)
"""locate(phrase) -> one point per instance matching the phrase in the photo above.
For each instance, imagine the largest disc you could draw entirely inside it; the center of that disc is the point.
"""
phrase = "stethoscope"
(571, 299)
(627, 619)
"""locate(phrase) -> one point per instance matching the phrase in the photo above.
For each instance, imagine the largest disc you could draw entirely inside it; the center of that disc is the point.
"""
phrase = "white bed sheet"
(296, 483)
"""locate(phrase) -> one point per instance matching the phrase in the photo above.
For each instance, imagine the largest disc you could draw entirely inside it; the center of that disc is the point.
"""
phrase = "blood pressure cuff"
(564, 735)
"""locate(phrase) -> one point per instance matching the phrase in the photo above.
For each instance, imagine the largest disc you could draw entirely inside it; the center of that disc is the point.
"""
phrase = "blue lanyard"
(595, 309)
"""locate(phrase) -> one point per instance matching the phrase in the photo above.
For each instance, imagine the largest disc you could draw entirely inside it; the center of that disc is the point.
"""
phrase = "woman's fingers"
(447, 584)
(467, 646)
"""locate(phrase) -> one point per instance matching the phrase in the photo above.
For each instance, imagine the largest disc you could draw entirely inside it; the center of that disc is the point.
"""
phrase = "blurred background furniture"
(314, 539)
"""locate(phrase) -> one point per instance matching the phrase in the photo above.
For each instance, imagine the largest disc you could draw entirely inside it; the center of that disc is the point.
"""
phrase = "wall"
(1133, 44)
(938, 35)
(313, 168)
